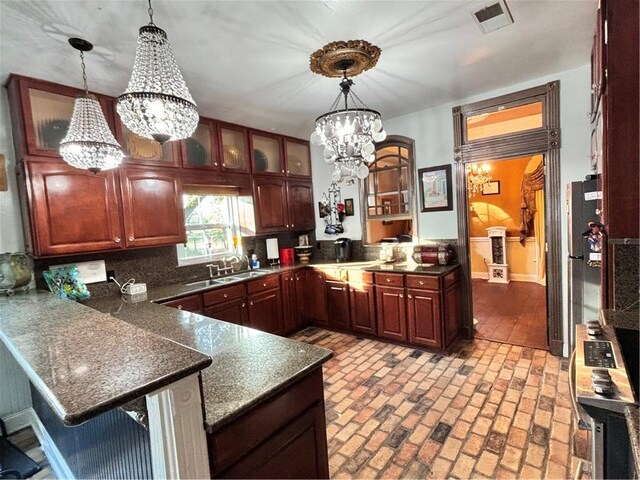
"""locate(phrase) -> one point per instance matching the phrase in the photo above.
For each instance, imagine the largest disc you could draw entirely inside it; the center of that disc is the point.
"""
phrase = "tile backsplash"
(626, 280)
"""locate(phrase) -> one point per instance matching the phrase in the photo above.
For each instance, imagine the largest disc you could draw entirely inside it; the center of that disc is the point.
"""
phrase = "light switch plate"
(91, 272)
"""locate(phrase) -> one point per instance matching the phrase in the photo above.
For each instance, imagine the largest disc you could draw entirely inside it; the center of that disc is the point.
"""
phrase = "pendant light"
(89, 144)
(157, 103)
(347, 134)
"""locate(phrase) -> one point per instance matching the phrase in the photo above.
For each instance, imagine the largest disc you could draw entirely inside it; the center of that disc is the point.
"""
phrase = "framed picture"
(491, 188)
(348, 207)
(436, 192)
(322, 209)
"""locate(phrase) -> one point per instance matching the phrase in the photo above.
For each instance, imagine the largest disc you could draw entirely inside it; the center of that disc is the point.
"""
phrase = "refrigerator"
(585, 244)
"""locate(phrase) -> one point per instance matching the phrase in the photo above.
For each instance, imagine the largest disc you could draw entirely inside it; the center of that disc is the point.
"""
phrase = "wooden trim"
(546, 142)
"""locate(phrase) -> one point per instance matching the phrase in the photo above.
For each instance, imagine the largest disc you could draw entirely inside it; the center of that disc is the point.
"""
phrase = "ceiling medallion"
(357, 55)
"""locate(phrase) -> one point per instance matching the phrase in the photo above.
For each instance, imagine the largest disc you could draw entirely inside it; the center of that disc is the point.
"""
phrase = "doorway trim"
(545, 141)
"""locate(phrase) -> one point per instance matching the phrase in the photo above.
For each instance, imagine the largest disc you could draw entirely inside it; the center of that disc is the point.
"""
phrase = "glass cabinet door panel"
(234, 150)
(142, 148)
(266, 155)
(298, 159)
(198, 147)
(51, 114)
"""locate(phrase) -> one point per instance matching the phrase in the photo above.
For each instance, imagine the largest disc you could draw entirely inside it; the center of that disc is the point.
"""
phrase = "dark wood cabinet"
(267, 157)
(363, 308)
(233, 148)
(152, 210)
(300, 203)
(233, 311)
(317, 299)
(192, 303)
(201, 149)
(289, 302)
(338, 304)
(298, 157)
(452, 319)
(392, 316)
(265, 312)
(270, 198)
(424, 320)
(72, 211)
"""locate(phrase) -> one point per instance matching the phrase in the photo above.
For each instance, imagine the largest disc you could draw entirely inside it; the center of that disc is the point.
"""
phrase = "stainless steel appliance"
(600, 391)
(343, 249)
(583, 202)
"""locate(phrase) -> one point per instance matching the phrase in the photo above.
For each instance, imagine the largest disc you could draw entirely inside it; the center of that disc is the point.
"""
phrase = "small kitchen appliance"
(437, 254)
(343, 249)
(287, 256)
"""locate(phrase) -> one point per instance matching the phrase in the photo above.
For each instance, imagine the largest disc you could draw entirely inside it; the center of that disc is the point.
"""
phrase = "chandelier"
(477, 177)
(157, 103)
(347, 134)
(89, 144)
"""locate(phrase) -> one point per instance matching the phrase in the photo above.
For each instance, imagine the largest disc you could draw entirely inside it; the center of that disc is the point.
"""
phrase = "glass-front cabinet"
(266, 153)
(140, 150)
(298, 158)
(200, 150)
(234, 148)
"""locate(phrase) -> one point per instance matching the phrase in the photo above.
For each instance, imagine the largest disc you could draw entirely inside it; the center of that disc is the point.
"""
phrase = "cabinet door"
(152, 206)
(234, 311)
(266, 153)
(301, 211)
(317, 300)
(451, 311)
(201, 149)
(392, 317)
(298, 157)
(271, 207)
(72, 211)
(289, 302)
(265, 312)
(338, 304)
(192, 303)
(363, 309)
(234, 148)
(423, 315)
(303, 288)
(145, 151)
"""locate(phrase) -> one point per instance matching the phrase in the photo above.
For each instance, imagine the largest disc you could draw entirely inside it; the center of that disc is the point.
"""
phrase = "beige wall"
(522, 259)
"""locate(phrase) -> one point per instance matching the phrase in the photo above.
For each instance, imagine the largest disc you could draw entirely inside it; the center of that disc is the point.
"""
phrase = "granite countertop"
(627, 319)
(632, 415)
(84, 362)
(248, 365)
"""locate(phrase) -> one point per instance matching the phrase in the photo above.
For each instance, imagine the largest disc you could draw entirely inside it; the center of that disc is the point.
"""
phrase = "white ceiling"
(247, 61)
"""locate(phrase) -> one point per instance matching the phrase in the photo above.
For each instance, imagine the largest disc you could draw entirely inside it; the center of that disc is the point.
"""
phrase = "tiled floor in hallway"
(488, 410)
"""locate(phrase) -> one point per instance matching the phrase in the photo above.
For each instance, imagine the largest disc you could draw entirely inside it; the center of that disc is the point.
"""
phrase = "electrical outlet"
(110, 273)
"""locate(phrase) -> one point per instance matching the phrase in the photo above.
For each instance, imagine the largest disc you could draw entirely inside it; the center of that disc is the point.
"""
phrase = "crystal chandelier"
(89, 144)
(347, 134)
(157, 103)
(477, 177)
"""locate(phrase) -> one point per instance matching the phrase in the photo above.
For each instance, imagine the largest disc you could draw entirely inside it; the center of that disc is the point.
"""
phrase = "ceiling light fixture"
(157, 103)
(89, 144)
(347, 134)
(477, 177)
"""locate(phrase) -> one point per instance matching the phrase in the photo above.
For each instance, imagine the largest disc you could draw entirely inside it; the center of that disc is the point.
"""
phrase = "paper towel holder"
(273, 252)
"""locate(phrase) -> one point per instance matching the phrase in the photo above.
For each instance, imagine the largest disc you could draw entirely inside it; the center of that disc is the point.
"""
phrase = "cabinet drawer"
(265, 283)
(192, 303)
(358, 276)
(389, 279)
(220, 295)
(452, 278)
(426, 282)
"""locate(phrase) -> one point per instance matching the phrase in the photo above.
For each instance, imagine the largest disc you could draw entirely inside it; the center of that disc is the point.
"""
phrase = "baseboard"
(480, 275)
(55, 458)
(514, 277)
(19, 420)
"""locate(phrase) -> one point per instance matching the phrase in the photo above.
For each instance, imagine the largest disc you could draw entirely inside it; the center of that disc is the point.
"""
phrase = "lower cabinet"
(423, 318)
(312, 297)
(452, 318)
(338, 304)
(192, 303)
(265, 312)
(362, 304)
(392, 316)
(289, 302)
(234, 311)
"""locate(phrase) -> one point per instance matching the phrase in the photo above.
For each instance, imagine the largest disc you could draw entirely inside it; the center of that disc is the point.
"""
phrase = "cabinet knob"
(244, 305)
(281, 171)
(421, 282)
(401, 296)
(287, 225)
(116, 240)
(225, 295)
(251, 303)
(179, 307)
(288, 171)
(131, 239)
(215, 164)
(408, 296)
(292, 225)
(352, 290)
(264, 284)
(344, 289)
(388, 280)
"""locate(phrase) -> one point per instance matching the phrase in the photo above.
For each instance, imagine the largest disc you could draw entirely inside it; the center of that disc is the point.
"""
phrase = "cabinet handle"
(179, 307)
(131, 239)
(116, 240)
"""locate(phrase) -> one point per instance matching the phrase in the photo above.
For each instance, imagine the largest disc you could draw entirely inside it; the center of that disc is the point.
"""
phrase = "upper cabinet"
(144, 151)
(201, 149)
(234, 148)
(266, 153)
(41, 112)
(298, 158)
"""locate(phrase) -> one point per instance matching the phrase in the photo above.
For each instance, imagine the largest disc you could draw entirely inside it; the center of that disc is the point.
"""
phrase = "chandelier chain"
(150, 12)
(84, 72)
(356, 97)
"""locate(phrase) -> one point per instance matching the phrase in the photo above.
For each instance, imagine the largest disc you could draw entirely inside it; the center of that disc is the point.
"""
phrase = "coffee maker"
(343, 249)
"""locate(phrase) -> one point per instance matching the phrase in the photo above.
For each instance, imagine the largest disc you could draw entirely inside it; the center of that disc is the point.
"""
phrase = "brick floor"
(488, 410)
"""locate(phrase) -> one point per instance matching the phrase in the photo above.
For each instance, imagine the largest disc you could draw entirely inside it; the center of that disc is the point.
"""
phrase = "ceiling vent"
(492, 17)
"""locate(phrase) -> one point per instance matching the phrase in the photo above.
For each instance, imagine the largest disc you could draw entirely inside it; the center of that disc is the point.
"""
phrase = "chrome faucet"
(211, 266)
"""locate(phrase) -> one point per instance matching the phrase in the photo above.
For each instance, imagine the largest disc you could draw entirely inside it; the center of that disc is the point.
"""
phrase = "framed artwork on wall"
(491, 188)
(436, 193)
(348, 207)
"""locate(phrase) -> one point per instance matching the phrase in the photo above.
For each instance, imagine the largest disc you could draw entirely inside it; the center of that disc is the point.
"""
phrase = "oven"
(600, 392)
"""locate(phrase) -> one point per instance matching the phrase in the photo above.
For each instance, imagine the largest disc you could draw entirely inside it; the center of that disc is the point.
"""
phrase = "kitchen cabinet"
(391, 314)
(451, 311)
(300, 204)
(191, 303)
(152, 207)
(423, 317)
(145, 151)
(338, 304)
(265, 312)
(266, 153)
(317, 305)
(289, 302)
(71, 211)
(233, 311)
(233, 148)
(271, 206)
(362, 304)
(201, 149)
(298, 158)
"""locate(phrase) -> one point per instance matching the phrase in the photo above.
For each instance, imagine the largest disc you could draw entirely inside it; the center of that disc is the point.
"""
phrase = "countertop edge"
(632, 416)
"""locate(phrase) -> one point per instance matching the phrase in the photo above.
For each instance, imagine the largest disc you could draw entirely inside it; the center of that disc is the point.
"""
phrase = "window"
(212, 225)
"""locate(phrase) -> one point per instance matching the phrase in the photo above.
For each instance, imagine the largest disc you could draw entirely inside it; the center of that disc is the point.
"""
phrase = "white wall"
(432, 130)
(14, 394)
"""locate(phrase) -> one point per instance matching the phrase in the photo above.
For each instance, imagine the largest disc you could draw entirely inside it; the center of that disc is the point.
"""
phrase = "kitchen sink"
(236, 277)
(252, 274)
